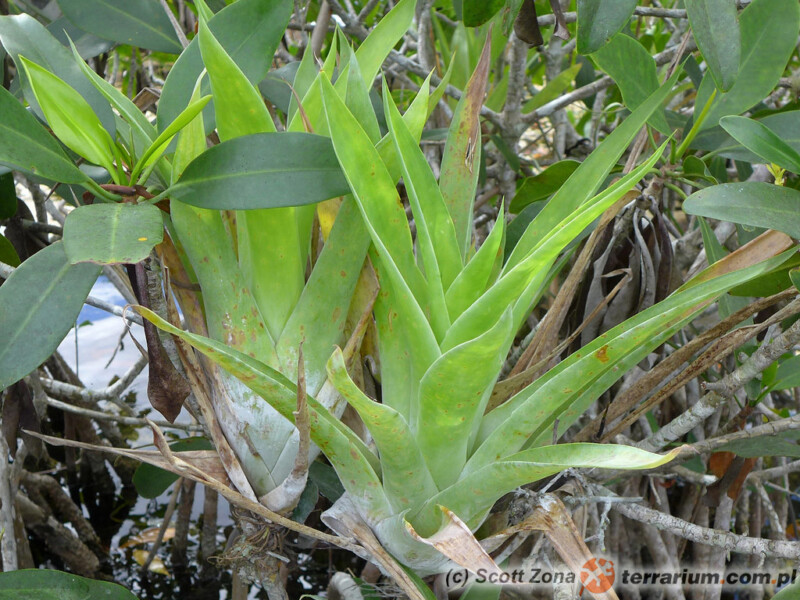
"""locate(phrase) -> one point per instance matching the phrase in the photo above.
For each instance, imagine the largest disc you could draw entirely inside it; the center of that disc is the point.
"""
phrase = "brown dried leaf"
(456, 542)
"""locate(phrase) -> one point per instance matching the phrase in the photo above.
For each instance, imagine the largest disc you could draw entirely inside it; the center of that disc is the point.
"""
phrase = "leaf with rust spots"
(459, 172)
(602, 353)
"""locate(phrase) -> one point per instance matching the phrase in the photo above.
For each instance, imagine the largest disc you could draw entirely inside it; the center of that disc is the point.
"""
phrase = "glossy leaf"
(769, 30)
(249, 30)
(478, 12)
(761, 140)
(784, 124)
(546, 183)
(634, 71)
(264, 170)
(22, 34)
(44, 584)
(40, 301)
(26, 145)
(141, 23)
(716, 30)
(112, 233)
(8, 253)
(600, 20)
(70, 116)
(87, 44)
(749, 203)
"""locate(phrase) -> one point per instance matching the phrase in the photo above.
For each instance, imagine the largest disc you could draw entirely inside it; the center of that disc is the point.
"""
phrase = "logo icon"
(597, 575)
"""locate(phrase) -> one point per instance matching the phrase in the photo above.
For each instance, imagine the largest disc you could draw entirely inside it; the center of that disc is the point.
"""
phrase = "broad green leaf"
(769, 30)
(22, 34)
(87, 44)
(716, 30)
(462, 153)
(398, 387)
(785, 124)
(277, 86)
(70, 116)
(238, 106)
(26, 145)
(8, 253)
(44, 584)
(473, 280)
(761, 140)
(546, 183)
(249, 31)
(8, 190)
(263, 170)
(141, 23)
(39, 303)
(452, 399)
(587, 178)
(554, 88)
(472, 496)
(790, 592)
(204, 13)
(749, 203)
(406, 478)
(112, 233)
(478, 12)
(634, 71)
(159, 145)
(599, 21)
(151, 482)
(772, 445)
(354, 462)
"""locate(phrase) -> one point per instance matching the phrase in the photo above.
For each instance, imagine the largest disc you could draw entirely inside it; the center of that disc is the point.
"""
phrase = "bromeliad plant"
(248, 262)
(446, 316)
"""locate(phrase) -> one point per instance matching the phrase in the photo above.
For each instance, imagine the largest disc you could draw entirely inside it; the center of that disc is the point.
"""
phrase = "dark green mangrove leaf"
(263, 170)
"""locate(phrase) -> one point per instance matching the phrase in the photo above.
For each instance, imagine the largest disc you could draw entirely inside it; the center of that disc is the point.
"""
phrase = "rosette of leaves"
(446, 316)
(238, 245)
